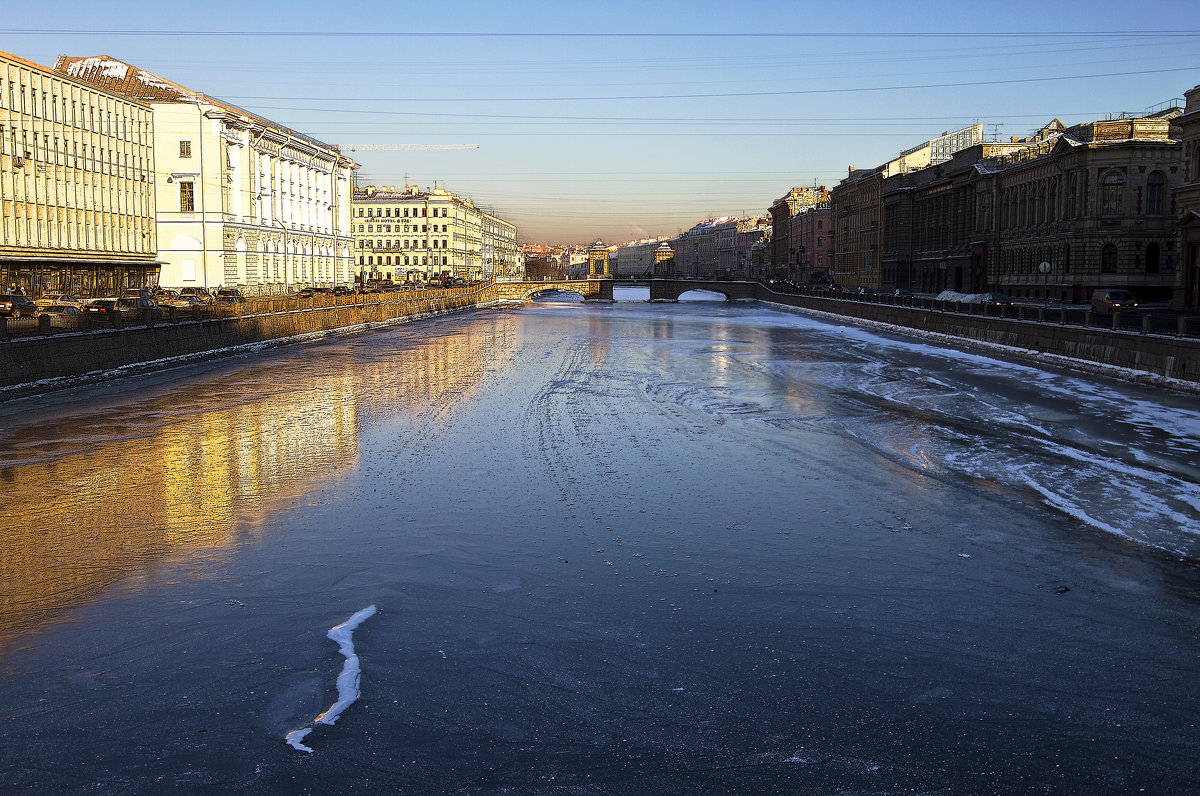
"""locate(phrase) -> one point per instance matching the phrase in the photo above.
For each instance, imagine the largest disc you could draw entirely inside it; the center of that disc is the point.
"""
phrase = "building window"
(1112, 194)
(187, 197)
(185, 149)
(1152, 258)
(1156, 191)
(1108, 259)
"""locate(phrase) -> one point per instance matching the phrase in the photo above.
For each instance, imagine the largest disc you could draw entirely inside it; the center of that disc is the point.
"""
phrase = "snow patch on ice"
(347, 682)
(296, 736)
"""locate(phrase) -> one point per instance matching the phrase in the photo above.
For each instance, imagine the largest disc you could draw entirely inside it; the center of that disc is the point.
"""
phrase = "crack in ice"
(347, 682)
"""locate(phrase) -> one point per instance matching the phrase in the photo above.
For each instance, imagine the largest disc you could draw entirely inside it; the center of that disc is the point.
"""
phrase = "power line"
(1074, 34)
(734, 94)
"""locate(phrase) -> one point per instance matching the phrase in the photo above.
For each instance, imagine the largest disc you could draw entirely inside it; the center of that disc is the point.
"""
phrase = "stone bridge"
(594, 289)
(602, 289)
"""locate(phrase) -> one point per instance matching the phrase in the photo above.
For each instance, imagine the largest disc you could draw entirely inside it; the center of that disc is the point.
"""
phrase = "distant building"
(637, 259)
(789, 257)
(809, 243)
(856, 206)
(413, 235)
(1186, 292)
(719, 248)
(931, 238)
(240, 200)
(1095, 202)
(76, 185)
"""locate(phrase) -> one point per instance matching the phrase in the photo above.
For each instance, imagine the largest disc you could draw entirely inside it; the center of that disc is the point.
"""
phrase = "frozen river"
(694, 548)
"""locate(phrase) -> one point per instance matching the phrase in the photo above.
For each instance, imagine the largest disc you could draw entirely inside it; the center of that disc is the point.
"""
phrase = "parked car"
(1106, 301)
(139, 306)
(60, 298)
(170, 298)
(902, 293)
(101, 305)
(342, 290)
(996, 299)
(865, 290)
(62, 316)
(16, 306)
(232, 294)
(138, 292)
(200, 292)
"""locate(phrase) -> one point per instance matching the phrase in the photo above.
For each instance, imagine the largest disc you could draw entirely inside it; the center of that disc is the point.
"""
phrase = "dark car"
(865, 290)
(101, 305)
(231, 295)
(15, 306)
(996, 299)
(139, 307)
(903, 293)
(1107, 300)
(342, 290)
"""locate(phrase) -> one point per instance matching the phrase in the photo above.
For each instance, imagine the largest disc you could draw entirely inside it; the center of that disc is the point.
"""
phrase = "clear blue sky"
(624, 120)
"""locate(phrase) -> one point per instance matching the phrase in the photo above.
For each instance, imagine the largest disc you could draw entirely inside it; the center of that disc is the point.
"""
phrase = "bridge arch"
(589, 289)
(547, 291)
(672, 289)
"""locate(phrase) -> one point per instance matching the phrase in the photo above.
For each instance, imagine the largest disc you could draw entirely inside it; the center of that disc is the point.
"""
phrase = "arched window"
(1156, 193)
(1112, 194)
(1152, 258)
(1108, 259)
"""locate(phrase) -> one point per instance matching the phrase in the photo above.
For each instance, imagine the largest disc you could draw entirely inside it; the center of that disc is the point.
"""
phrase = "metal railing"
(1160, 321)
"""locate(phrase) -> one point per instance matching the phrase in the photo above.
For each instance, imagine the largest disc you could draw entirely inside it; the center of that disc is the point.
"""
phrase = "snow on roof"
(103, 65)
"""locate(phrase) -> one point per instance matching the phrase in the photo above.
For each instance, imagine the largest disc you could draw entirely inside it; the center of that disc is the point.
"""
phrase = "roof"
(118, 77)
(51, 72)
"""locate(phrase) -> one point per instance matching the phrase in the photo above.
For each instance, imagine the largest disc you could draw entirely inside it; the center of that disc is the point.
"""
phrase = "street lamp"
(1044, 267)
(285, 253)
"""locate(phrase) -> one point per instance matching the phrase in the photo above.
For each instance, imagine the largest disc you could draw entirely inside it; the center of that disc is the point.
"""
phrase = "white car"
(58, 299)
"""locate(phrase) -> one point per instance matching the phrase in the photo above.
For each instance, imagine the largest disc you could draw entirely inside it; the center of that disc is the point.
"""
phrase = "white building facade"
(241, 201)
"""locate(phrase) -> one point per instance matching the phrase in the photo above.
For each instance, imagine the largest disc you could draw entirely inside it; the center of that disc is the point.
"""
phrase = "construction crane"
(404, 147)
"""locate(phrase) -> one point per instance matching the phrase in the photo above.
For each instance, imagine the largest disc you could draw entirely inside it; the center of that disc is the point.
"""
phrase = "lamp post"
(1044, 267)
(285, 257)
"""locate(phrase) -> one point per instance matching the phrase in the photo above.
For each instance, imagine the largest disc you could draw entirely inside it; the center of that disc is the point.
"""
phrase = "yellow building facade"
(414, 235)
(76, 185)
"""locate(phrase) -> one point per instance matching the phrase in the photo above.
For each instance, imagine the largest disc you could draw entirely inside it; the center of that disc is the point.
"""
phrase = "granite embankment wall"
(1166, 356)
(64, 356)
(26, 361)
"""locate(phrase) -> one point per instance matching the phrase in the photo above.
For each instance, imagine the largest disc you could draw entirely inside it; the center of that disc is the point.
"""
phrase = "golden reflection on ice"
(103, 493)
